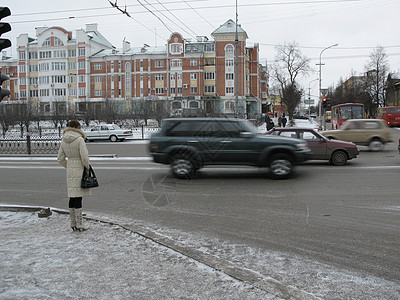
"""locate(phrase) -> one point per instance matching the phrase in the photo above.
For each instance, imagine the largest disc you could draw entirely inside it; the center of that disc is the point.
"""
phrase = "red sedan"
(337, 152)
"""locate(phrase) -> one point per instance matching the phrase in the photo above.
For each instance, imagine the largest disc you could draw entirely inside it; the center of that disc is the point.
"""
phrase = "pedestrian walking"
(74, 156)
(279, 121)
(284, 120)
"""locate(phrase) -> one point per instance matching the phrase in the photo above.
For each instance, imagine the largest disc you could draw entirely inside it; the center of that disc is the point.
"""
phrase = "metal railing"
(30, 145)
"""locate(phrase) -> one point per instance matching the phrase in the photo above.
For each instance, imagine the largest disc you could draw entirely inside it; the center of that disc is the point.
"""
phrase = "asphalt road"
(348, 217)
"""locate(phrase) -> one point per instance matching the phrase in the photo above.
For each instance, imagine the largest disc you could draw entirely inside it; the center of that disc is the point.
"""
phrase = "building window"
(229, 49)
(179, 91)
(97, 79)
(176, 63)
(176, 48)
(159, 90)
(71, 65)
(72, 92)
(32, 55)
(229, 90)
(57, 42)
(159, 64)
(98, 67)
(209, 61)
(159, 76)
(194, 104)
(173, 90)
(33, 80)
(44, 93)
(229, 107)
(229, 76)
(193, 89)
(193, 62)
(33, 93)
(210, 48)
(44, 79)
(22, 68)
(58, 92)
(44, 54)
(176, 105)
(82, 91)
(173, 76)
(58, 65)
(44, 67)
(229, 62)
(209, 89)
(81, 51)
(58, 79)
(98, 92)
(59, 53)
(33, 68)
(82, 78)
(179, 76)
(47, 42)
(72, 78)
(22, 55)
(81, 65)
(209, 75)
(71, 52)
(193, 76)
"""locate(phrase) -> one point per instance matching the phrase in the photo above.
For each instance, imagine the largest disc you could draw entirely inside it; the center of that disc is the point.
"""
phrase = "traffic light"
(4, 43)
(3, 92)
(4, 27)
(324, 101)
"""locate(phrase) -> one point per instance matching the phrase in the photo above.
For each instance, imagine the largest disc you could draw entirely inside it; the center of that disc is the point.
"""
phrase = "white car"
(110, 132)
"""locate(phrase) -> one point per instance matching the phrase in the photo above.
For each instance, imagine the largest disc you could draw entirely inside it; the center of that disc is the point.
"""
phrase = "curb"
(259, 281)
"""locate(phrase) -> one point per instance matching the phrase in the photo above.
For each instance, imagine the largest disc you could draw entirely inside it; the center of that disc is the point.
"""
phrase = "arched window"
(57, 41)
(229, 49)
(47, 42)
(229, 107)
(176, 105)
(194, 104)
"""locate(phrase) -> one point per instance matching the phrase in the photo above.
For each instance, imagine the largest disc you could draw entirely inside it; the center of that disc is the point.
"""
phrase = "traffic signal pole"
(4, 43)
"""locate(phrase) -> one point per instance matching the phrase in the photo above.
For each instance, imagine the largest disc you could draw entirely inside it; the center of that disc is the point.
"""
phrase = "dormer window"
(176, 48)
(46, 42)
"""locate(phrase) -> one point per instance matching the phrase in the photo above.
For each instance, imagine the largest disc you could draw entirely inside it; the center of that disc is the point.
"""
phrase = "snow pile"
(45, 259)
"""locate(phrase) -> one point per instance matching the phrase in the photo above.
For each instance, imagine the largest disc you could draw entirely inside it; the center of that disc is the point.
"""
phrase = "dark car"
(188, 144)
(337, 152)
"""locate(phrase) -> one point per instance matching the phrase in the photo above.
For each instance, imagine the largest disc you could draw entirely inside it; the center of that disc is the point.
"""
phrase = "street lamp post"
(320, 81)
(309, 94)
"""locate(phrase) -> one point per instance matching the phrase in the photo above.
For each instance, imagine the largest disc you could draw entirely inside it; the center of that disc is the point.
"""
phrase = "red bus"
(342, 112)
(391, 114)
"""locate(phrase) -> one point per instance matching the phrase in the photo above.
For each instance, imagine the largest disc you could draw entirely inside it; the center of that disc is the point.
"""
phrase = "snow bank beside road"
(45, 259)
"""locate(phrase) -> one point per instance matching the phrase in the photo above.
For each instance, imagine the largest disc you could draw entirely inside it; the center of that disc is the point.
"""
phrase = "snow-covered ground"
(45, 259)
(42, 258)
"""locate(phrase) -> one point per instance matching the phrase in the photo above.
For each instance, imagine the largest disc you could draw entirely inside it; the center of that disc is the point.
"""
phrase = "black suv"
(188, 144)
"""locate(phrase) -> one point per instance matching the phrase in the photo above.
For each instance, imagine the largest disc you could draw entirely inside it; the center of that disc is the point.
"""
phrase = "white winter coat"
(73, 155)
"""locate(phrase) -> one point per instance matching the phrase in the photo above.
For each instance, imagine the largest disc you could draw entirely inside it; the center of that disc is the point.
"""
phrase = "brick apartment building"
(57, 71)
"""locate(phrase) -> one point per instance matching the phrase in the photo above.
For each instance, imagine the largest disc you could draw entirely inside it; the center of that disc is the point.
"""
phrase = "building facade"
(60, 73)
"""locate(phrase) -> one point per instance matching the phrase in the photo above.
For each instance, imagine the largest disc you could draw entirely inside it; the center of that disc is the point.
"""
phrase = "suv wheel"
(339, 158)
(182, 167)
(376, 145)
(281, 166)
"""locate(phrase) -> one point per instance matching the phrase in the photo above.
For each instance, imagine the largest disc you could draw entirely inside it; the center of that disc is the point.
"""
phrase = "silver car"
(110, 132)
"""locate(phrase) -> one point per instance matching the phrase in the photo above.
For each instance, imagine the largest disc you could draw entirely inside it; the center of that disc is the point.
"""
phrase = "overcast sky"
(358, 26)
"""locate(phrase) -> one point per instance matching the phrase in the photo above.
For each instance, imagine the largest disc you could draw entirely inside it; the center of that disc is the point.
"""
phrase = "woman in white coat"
(73, 155)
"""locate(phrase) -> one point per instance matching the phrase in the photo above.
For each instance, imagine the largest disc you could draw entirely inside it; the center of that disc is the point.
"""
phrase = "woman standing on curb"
(73, 155)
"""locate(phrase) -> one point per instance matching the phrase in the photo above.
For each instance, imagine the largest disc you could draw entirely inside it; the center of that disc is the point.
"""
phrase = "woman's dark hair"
(74, 124)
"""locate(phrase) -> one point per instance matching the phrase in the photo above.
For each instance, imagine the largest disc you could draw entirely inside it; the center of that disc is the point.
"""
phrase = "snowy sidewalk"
(42, 258)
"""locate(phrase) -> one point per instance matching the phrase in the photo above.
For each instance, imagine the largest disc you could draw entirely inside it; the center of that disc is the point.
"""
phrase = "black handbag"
(89, 179)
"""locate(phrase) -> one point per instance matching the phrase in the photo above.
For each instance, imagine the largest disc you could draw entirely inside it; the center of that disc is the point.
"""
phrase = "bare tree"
(7, 117)
(377, 70)
(290, 63)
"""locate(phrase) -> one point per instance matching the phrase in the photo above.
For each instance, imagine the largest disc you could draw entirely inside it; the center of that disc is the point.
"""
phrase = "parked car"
(188, 144)
(373, 133)
(110, 132)
(337, 152)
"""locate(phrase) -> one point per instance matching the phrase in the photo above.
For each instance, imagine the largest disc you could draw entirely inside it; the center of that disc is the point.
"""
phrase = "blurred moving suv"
(188, 144)
(373, 133)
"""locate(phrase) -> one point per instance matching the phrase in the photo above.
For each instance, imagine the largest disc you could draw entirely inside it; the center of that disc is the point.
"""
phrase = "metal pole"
(320, 81)
(236, 65)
